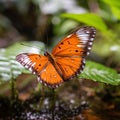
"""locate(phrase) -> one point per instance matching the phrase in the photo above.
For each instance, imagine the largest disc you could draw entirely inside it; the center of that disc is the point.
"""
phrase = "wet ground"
(75, 100)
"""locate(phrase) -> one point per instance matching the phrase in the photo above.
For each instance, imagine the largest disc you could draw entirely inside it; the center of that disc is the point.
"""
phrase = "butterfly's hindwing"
(50, 77)
(70, 67)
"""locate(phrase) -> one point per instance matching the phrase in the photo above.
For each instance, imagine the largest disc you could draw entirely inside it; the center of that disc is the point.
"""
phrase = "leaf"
(9, 67)
(115, 7)
(89, 19)
(100, 73)
(112, 2)
(31, 47)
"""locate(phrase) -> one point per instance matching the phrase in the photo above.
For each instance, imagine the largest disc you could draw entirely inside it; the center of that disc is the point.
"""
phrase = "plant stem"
(53, 103)
(14, 94)
(42, 90)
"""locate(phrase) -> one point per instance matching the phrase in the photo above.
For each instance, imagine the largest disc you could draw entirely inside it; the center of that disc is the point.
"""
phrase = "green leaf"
(100, 73)
(112, 2)
(115, 7)
(9, 67)
(17, 48)
(116, 11)
(89, 19)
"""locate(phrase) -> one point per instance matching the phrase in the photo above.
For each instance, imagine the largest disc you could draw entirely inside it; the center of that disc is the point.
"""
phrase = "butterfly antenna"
(32, 46)
(27, 45)
(47, 42)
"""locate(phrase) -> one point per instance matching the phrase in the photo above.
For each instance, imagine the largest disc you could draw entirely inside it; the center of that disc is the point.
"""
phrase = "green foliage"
(9, 67)
(89, 19)
(115, 7)
(113, 2)
(100, 73)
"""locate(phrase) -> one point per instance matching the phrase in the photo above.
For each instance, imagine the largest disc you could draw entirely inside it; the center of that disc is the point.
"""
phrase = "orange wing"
(70, 52)
(41, 66)
(66, 60)
(77, 44)
(70, 67)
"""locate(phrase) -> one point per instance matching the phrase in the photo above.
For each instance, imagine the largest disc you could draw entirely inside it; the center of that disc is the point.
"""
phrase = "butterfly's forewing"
(41, 66)
(78, 43)
(70, 52)
(34, 62)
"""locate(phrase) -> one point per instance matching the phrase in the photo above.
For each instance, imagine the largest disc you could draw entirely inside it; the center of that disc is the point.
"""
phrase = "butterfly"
(66, 60)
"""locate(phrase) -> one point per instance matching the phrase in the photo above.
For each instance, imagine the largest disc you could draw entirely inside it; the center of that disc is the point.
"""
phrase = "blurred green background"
(37, 25)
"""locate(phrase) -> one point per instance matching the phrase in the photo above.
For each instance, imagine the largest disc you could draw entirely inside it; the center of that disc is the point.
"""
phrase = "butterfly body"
(50, 57)
(66, 60)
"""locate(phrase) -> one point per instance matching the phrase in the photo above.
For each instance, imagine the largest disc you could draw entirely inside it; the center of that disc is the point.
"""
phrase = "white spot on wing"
(89, 48)
(33, 64)
(69, 36)
(90, 43)
(34, 72)
(84, 41)
(27, 66)
(91, 39)
(84, 38)
(84, 61)
(88, 53)
(30, 69)
(82, 35)
(87, 32)
(26, 60)
(80, 45)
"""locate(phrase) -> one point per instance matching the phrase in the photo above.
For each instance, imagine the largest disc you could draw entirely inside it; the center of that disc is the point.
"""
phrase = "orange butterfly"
(66, 60)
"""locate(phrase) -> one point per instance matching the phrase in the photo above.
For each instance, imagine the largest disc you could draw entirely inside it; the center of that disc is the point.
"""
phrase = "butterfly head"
(46, 53)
